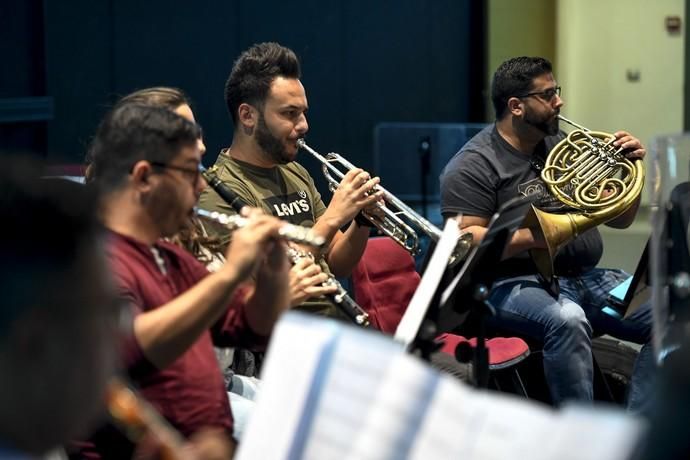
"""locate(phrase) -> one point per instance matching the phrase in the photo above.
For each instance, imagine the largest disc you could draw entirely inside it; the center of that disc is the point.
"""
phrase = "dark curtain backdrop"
(363, 62)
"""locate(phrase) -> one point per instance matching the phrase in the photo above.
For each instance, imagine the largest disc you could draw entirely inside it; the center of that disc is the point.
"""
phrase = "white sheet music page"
(584, 433)
(293, 357)
(463, 422)
(414, 315)
(318, 385)
(333, 391)
(466, 423)
(361, 360)
(401, 402)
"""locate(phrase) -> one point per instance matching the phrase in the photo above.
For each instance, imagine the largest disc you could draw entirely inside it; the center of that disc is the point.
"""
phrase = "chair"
(384, 281)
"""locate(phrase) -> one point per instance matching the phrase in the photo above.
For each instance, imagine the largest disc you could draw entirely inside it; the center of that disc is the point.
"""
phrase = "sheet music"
(363, 362)
(401, 402)
(481, 425)
(296, 362)
(414, 315)
(609, 433)
(318, 380)
(331, 390)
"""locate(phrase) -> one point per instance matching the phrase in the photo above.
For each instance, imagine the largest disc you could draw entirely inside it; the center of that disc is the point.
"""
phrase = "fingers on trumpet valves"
(354, 176)
(371, 183)
(359, 178)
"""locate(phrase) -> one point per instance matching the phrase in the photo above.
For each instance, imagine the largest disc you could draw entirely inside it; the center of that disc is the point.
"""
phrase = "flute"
(295, 233)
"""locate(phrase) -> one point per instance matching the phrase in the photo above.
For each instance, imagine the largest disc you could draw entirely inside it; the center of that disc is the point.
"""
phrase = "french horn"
(591, 176)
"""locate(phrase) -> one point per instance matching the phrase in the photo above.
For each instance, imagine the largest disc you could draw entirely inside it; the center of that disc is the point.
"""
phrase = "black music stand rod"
(482, 309)
(425, 168)
(470, 288)
(471, 293)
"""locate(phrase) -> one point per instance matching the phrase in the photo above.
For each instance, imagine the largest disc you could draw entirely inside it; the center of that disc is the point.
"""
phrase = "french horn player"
(548, 286)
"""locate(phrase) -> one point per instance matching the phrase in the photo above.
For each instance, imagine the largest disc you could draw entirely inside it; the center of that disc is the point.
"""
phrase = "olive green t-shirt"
(284, 191)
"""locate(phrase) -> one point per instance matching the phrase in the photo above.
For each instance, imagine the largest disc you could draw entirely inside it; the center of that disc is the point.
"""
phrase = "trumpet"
(391, 223)
(290, 232)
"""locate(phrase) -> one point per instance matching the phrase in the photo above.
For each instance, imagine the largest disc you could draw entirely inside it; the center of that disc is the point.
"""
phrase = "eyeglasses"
(193, 175)
(546, 95)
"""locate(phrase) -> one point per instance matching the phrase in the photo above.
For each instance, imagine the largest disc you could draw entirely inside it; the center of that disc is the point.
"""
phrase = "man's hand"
(262, 253)
(254, 244)
(306, 281)
(376, 209)
(352, 195)
(632, 146)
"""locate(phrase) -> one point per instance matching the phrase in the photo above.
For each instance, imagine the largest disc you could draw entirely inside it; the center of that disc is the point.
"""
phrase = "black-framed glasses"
(546, 95)
(193, 174)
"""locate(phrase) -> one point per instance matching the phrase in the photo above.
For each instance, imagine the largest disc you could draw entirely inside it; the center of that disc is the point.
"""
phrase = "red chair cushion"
(503, 351)
(384, 282)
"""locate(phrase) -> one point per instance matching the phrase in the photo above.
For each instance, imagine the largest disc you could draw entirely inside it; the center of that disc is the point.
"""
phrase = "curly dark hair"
(515, 76)
(254, 71)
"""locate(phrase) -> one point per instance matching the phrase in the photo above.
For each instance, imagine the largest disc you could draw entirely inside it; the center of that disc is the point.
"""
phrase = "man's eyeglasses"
(546, 95)
(192, 174)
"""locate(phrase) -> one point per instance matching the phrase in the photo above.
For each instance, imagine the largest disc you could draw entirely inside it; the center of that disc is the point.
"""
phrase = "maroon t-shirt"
(190, 393)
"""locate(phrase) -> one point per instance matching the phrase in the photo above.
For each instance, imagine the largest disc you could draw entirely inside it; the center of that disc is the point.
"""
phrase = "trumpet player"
(504, 161)
(145, 163)
(268, 106)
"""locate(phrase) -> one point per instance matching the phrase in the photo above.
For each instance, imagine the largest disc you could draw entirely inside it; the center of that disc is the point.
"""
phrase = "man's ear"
(247, 116)
(141, 173)
(516, 106)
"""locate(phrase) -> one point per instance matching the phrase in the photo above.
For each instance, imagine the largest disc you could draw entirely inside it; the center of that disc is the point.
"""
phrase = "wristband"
(362, 221)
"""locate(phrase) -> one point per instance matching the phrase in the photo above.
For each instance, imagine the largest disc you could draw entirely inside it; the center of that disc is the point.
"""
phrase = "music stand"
(638, 291)
(468, 292)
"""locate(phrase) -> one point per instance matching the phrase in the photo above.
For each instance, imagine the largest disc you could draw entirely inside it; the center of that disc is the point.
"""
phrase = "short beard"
(549, 128)
(271, 146)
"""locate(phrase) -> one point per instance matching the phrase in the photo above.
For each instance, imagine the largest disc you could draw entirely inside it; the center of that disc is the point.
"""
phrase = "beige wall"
(518, 28)
(599, 54)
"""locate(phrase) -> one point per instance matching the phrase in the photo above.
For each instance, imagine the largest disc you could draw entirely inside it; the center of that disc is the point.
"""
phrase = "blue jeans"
(566, 325)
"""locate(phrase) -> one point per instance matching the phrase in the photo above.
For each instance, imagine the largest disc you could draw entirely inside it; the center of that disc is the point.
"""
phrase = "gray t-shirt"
(488, 172)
